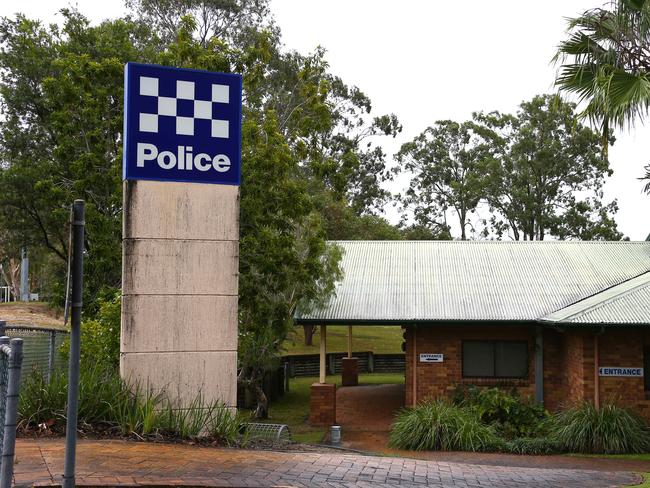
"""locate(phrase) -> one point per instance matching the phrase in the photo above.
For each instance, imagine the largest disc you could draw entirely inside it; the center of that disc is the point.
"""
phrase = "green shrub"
(225, 426)
(108, 402)
(607, 430)
(135, 410)
(439, 425)
(100, 335)
(510, 414)
(42, 403)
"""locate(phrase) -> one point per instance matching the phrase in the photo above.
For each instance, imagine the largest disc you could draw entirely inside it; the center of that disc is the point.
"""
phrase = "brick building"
(560, 321)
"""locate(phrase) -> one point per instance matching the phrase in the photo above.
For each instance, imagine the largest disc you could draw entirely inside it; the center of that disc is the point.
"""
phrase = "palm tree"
(606, 62)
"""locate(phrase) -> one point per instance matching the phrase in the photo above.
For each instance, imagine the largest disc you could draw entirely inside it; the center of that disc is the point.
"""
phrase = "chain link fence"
(10, 363)
(41, 348)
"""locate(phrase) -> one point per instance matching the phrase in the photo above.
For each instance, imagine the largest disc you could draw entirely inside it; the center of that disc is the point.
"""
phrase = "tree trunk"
(12, 276)
(309, 334)
(262, 409)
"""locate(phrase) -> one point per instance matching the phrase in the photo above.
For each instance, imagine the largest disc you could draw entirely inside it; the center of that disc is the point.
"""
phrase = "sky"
(433, 60)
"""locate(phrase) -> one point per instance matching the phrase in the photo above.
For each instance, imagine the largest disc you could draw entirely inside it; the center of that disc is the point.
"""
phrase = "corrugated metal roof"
(624, 304)
(392, 281)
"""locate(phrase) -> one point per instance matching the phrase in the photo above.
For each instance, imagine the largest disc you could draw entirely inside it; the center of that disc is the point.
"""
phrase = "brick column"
(322, 404)
(350, 371)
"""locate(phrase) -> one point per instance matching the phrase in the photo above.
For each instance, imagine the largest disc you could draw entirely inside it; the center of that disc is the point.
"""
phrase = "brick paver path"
(111, 463)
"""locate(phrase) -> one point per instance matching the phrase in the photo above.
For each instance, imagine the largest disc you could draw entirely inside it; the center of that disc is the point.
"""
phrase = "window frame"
(494, 343)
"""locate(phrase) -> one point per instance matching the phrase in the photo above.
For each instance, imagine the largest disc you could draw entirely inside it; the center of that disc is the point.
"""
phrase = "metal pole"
(75, 344)
(50, 356)
(24, 276)
(11, 414)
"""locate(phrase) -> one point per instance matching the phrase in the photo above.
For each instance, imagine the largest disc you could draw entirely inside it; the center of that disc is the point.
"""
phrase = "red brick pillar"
(350, 371)
(322, 404)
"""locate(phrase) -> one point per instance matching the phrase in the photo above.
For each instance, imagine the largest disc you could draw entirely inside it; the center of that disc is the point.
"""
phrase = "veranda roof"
(397, 282)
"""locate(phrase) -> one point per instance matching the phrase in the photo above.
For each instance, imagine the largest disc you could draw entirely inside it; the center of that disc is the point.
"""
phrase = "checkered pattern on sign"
(167, 107)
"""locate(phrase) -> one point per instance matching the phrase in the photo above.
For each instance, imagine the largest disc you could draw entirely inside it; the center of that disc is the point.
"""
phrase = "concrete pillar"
(349, 341)
(180, 287)
(323, 354)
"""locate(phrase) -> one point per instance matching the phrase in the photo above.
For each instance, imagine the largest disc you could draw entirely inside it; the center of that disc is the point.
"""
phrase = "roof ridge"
(599, 299)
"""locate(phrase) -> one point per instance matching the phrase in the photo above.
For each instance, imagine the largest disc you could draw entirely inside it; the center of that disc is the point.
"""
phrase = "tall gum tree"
(545, 174)
(446, 163)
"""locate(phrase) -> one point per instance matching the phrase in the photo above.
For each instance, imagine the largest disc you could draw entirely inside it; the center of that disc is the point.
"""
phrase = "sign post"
(182, 160)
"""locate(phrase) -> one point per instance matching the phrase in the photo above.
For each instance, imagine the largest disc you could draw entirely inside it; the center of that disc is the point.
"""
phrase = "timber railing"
(369, 362)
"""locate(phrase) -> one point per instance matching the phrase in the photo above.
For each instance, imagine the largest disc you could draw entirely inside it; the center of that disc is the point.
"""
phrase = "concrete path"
(114, 463)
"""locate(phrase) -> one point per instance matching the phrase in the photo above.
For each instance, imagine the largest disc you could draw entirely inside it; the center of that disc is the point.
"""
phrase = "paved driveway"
(112, 463)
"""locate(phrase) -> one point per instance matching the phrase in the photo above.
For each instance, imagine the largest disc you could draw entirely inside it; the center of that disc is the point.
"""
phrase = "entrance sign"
(181, 125)
(431, 358)
(634, 372)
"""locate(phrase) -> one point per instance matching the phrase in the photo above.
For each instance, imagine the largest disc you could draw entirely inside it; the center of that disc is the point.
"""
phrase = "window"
(495, 359)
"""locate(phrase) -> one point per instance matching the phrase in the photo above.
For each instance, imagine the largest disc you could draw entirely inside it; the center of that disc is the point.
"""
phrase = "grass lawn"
(293, 408)
(32, 314)
(378, 339)
(632, 457)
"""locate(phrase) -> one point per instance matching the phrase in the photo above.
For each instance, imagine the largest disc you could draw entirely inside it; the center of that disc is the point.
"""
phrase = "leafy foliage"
(541, 159)
(607, 430)
(106, 401)
(535, 173)
(439, 425)
(510, 415)
(305, 133)
(100, 335)
(446, 162)
(606, 62)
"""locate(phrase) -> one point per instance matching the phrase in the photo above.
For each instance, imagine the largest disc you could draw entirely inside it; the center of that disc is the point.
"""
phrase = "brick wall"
(624, 348)
(440, 379)
(569, 365)
(322, 404)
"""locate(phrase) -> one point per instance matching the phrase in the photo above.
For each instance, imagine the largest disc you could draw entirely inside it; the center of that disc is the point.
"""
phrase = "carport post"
(323, 352)
(349, 341)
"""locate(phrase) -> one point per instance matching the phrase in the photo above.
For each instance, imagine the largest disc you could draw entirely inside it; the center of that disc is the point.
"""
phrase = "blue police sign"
(181, 125)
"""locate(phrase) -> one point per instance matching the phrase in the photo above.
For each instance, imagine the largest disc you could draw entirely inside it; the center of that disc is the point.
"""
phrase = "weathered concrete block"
(182, 375)
(152, 323)
(172, 210)
(180, 267)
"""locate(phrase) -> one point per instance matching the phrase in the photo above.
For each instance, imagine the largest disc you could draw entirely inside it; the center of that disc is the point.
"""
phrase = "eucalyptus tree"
(545, 174)
(446, 161)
